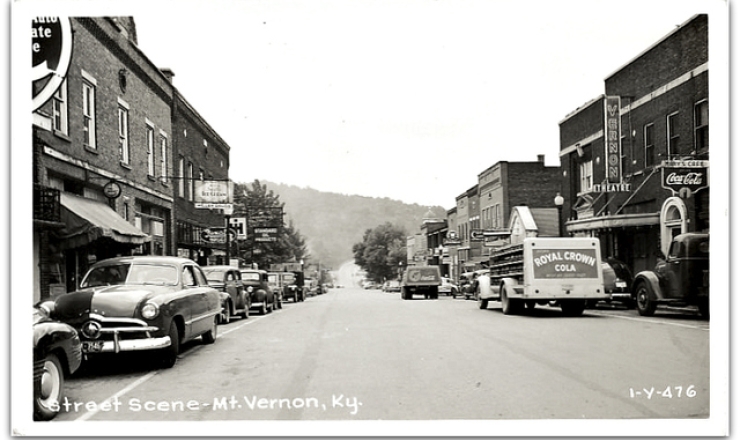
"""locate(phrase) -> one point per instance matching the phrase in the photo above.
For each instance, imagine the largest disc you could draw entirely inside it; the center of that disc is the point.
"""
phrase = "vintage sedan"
(57, 353)
(256, 282)
(235, 300)
(141, 303)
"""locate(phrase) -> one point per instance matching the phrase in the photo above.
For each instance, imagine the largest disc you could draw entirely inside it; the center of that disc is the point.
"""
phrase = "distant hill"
(332, 222)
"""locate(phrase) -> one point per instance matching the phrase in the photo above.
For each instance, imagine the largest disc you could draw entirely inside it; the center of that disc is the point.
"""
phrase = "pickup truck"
(681, 279)
(423, 280)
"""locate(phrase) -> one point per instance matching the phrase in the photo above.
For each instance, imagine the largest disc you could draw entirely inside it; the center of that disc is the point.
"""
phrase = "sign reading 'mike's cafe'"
(685, 177)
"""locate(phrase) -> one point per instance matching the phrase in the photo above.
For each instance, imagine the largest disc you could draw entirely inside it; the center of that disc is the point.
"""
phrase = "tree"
(263, 208)
(380, 251)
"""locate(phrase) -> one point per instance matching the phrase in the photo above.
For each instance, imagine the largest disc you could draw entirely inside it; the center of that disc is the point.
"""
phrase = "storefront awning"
(86, 220)
(613, 221)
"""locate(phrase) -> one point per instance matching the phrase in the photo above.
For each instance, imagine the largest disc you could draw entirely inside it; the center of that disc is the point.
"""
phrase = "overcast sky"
(406, 99)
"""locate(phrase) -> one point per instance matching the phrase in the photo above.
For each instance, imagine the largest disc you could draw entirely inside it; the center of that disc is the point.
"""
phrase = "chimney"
(541, 158)
(168, 73)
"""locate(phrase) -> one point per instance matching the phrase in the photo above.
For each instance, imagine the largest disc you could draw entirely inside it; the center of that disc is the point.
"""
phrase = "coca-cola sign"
(692, 175)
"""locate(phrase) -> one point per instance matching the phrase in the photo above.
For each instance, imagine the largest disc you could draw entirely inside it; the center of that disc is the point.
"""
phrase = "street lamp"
(400, 269)
(559, 200)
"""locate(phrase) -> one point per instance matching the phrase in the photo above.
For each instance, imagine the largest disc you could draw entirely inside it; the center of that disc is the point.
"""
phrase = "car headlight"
(150, 311)
(249, 289)
(47, 307)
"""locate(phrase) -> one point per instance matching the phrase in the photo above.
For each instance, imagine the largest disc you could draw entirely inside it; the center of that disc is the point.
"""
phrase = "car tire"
(263, 308)
(169, 354)
(226, 315)
(643, 297)
(210, 336)
(48, 389)
(508, 305)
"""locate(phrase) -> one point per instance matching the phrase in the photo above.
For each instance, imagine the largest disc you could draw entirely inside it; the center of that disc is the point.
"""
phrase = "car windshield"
(130, 274)
(250, 276)
(215, 275)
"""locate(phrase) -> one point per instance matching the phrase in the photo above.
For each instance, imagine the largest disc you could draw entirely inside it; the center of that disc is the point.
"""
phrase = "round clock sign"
(112, 189)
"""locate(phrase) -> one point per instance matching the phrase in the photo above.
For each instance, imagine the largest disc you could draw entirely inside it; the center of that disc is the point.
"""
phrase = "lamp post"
(400, 269)
(559, 204)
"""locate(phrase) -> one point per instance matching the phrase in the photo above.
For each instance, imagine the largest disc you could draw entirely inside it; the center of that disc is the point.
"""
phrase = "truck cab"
(681, 279)
(422, 280)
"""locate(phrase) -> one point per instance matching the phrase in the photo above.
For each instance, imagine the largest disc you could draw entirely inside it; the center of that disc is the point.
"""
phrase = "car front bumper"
(116, 345)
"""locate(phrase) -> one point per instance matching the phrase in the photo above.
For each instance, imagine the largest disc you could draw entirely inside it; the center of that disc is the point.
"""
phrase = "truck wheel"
(572, 307)
(644, 294)
(508, 306)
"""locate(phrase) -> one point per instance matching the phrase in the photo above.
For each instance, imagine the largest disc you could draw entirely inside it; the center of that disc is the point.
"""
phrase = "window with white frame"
(88, 114)
(649, 144)
(150, 150)
(701, 127)
(181, 184)
(191, 179)
(672, 134)
(586, 171)
(59, 110)
(123, 146)
(163, 156)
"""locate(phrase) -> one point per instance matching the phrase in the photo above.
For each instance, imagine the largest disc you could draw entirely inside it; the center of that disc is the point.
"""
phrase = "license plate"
(622, 284)
(92, 346)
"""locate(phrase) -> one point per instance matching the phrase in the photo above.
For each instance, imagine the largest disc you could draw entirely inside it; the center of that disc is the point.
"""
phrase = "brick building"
(635, 160)
(93, 142)
(200, 154)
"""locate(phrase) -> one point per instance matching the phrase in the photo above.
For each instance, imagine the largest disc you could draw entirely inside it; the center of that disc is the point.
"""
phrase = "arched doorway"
(673, 221)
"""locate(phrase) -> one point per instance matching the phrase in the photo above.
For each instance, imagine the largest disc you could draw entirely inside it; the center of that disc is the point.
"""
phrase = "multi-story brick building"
(505, 185)
(635, 160)
(92, 143)
(104, 175)
(199, 154)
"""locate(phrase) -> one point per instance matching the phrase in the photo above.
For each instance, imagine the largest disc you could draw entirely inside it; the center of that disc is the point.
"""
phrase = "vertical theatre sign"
(51, 47)
(612, 128)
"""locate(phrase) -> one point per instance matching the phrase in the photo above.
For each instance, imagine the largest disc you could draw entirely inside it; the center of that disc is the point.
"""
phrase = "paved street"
(355, 354)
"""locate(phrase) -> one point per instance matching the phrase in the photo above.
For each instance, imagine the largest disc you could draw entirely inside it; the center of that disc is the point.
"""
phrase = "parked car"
(291, 289)
(141, 303)
(617, 283)
(235, 301)
(256, 282)
(392, 286)
(448, 287)
(57, 353)
(681, 279)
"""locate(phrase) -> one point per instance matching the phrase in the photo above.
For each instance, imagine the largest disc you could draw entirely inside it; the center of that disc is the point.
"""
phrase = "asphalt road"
(354, 354)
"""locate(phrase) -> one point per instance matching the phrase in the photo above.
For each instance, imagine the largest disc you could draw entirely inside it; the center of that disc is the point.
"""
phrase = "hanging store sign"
(613, 129)
(213, 192)
(51, 48)
(265, 234)
(685, 176)
(239, 224)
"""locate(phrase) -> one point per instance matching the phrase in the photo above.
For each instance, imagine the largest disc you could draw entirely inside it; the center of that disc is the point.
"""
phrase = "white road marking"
(132, 386)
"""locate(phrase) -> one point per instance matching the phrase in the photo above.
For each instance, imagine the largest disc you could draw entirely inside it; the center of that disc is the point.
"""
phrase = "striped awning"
(86, 220)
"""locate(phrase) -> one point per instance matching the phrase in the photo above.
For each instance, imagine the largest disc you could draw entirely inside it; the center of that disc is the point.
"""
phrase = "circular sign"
(51, 47)
(112, 189)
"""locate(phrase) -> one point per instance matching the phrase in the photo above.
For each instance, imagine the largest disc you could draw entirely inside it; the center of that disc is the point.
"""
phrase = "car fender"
(651, 278)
